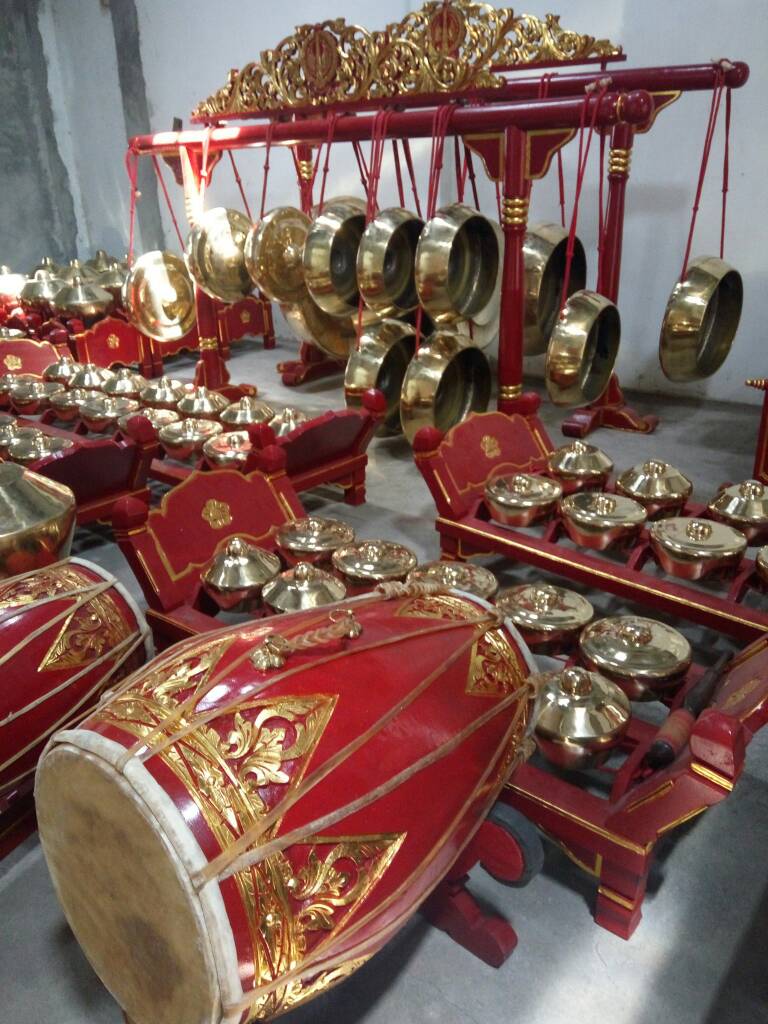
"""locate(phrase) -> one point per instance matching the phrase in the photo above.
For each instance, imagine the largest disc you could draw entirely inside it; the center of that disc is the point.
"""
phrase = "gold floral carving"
(216, 513)
(44, 583)
(236, 768)
(113, 341)
(12, 363)
(490, 446)
(437, 606)
(443, 47)
(495, 666)
(93, 629)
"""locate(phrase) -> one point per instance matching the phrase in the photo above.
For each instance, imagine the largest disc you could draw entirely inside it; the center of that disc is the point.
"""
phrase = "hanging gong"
(273, 254)
(334, 335)
(457, 264)
(330, 255)
(700, 320)
(447, 379)
(544, 253)
(214, 254)
(159, 296)
(385, 262)
(380, 361)
(582, 349)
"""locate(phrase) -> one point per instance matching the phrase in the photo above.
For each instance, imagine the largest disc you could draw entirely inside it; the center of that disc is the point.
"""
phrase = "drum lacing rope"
(720, 69)
(316, 961)
(146, 748)
(600, 87)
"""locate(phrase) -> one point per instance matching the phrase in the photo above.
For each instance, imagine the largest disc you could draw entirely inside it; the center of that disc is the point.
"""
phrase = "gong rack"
(324, 85)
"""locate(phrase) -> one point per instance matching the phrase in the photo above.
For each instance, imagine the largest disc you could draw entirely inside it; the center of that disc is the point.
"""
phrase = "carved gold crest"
(13, 363)
(113, 341)
(216, 513)
(490, 446)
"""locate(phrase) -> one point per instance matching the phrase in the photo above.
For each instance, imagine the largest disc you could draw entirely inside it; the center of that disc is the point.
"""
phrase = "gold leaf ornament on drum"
(458, 260)
(273, 253)
(701, 320)
(330, 255)
(447, 379)
(215, 254)
(211, 788)
(582, 349)
(159, 296)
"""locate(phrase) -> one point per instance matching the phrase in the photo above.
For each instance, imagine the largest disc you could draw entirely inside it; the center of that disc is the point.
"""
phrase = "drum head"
(125, 892)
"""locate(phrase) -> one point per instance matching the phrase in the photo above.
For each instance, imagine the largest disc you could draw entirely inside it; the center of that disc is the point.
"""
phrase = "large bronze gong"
(215, 257)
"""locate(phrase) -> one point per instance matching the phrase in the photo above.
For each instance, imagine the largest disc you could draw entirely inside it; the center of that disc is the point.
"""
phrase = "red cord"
(714, 109)
(265, 171)
(469, 164)
(398, 173)
(132, 167)
(362, 166)
(160, 178)
(204, 172)
(726, 161)
(328, 142)
(239, 184)
(412, 175)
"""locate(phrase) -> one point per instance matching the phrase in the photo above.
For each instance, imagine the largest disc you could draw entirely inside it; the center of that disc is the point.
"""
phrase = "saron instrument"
(68, 631)
(250, 816)
(159, 296)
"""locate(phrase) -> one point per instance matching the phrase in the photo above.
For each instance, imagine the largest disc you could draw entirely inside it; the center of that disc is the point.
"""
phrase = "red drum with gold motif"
(67, 631)
(249, 818)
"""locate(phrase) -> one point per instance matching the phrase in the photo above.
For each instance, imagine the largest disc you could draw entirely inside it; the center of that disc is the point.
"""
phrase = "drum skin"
(177, 947)
(67, 631)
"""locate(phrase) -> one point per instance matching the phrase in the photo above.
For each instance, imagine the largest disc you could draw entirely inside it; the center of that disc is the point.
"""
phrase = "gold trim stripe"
(712, 776)
(614, 897)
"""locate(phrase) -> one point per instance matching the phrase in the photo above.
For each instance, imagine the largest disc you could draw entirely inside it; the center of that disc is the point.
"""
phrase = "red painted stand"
(760, 469)
(614, 838)
(312, 364)
(25, 356)
(99, 471)
(457, 467)
(113, 341)
(251, 316)
(169, 546)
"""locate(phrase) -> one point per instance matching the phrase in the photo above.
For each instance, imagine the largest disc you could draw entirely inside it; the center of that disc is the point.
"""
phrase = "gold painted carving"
(443, 47)
(207, 344)
(12, 363)
(93, 629)
(514, 211)
(245, 317)
(619, 161)
(510, 391)
(46, 583)
(216, 513)
(237, 768)
(495, 668)
(113, 341)
(490, 446)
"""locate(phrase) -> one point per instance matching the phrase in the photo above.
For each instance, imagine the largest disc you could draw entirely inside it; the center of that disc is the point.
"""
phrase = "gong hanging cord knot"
(275, 649)
(714, 110)
(583, 157)
(161, 179)
(440, 125)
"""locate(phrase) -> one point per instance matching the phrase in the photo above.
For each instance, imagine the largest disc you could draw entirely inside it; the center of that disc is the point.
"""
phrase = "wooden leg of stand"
(620, 899)
(312, 364)
(610, 410)
(354, 491)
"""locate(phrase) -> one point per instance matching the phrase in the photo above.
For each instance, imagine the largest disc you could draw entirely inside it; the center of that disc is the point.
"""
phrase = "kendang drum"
(66, 633)
(240, 826)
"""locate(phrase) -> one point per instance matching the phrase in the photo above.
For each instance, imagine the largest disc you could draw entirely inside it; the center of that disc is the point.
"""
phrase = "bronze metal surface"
(62, 371)
(32, 396)
(642, 655)
(202, 403)
(101, 414)
(66, 404)
(596, 520)
(286, 420)
(236, 575)
(112, 279)
(659, 487)
(314, 538)
(74, 268)
(701, 320)
(582, 349)
(334, 335)
(694, 548)
(304, 586)
(27, 447)
(100, 261)
(159, 296)
(125, 383)
(246, 411)
(186, 437)
(545, 615)
(162, 393)
(582, 463)
(41, 289)
(446, 380)
(544, 253)
(157, 417)
(330, 255)
(228, 449)
(10, 283)
(37, 520)
(82, 298)
(457, 264)
(215, 257)
(274, 251)
(374, 561)
(380, 361)
(520, 499)
(582, 715)
(745, 507)
(761, 563)
(474, 579)
(385, 262)
(89, 375)
(48, 264)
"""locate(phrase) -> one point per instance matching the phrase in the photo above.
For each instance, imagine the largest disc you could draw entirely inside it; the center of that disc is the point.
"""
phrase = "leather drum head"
(125, 891)
(273, 254)
(159, 296)
(215, 255)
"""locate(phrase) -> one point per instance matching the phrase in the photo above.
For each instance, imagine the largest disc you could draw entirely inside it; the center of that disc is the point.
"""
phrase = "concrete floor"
(698, 956)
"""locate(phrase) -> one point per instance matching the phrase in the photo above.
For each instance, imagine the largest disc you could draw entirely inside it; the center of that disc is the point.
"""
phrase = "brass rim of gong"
(544, 253)
(457, 264)
(159, 296)
(701, 320)
(273, 252)
(582, 350)
(330, 256)
(334, 335)
(215, 254)
(385, 262)
(447, 379)
(381, 361)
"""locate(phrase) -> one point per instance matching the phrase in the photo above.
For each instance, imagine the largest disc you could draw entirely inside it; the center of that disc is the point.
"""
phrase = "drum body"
(205, 746)
(66, 633)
